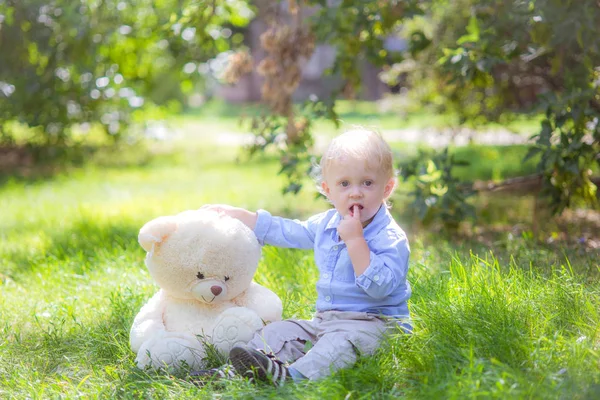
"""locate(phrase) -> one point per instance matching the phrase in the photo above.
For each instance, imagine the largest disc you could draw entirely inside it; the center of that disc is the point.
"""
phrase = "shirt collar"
(333, 221)
(381, 219)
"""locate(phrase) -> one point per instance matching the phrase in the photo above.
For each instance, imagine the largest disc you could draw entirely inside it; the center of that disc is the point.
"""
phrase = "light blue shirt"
(381, 289)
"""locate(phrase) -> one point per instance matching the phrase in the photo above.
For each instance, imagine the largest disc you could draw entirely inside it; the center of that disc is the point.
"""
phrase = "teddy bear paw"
(171, 353)
(235, 326)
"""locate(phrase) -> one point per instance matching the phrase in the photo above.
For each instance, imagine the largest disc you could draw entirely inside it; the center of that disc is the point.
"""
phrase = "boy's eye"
(200, 275)
(368, 183)
(344, 183)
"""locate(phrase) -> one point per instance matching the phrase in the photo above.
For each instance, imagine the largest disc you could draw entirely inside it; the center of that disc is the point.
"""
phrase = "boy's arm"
(387, 268)
(359, 253)
(276, 231)
(247, 217)
(377, 274)
(284, 232)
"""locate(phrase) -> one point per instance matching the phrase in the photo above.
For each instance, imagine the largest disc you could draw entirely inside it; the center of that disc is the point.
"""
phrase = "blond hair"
(359, 144)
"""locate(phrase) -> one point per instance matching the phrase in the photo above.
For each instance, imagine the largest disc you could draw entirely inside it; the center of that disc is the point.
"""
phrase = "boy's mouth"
(351, 209)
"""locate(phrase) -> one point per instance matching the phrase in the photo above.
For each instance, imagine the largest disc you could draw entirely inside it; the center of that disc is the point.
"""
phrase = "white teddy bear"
(204, 263)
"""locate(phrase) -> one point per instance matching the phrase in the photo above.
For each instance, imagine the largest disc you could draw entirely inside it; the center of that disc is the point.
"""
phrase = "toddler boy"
(362, 257)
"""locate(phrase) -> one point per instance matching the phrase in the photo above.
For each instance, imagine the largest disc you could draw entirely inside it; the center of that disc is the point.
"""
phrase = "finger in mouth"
(352, 208)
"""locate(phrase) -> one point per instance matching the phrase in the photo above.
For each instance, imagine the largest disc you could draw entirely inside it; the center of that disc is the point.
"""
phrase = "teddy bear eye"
(200, 275)
(226, 278)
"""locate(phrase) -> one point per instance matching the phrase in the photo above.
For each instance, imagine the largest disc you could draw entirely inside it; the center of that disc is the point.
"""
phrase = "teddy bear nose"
(216, 290)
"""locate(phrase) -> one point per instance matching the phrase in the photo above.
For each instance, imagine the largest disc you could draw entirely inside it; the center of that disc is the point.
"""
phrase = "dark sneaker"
(203, 376)
(262, 367)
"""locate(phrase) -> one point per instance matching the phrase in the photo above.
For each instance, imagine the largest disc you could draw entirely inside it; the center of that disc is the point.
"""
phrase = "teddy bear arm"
(148, 322)
(262, 301)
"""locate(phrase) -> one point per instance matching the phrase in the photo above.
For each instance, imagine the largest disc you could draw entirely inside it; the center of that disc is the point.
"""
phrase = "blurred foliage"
(296, 158)
(485, 61)
(355, 28)
(102, 65)
(438, 194)
(69, 66)
(539, 56)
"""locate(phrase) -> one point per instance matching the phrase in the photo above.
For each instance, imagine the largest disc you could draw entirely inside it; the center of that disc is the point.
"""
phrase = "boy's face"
(348, 182)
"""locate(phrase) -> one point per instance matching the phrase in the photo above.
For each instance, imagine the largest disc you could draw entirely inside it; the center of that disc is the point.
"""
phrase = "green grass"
(493, 162)
(513, 318)
(389, 114)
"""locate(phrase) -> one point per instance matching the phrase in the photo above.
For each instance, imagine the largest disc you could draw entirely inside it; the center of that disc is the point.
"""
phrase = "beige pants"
(338, 337)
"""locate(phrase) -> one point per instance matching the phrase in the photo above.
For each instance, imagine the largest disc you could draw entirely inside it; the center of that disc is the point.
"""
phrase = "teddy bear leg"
(234, 326)
(171, 353)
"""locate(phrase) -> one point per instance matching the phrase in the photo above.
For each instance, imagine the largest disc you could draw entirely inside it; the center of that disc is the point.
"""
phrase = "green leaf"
(439, 190)
(472, 32)
(307, 346)
(432, 177)
(531, 153)
(431, 168)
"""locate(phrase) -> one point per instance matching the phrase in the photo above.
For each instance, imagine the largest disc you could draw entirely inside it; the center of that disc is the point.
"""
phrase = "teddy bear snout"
(210, 290)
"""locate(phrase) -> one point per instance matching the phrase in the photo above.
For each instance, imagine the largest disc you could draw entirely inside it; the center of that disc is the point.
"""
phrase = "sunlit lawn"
(510, 318)
(387, 114)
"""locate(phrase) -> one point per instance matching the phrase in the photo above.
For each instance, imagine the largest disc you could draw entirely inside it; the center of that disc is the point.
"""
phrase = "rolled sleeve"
(263, 223)
(387, 269)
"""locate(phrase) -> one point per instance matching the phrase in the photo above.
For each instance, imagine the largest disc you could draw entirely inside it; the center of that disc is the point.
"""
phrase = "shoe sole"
(247, 365)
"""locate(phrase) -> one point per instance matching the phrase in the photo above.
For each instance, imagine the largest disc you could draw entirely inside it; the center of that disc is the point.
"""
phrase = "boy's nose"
(356, 193)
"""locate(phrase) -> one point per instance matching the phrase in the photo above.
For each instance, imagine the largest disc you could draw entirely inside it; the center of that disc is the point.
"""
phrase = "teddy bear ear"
(156, 231)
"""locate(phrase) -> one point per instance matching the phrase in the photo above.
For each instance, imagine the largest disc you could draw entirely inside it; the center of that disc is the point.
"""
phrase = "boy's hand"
(350, 227)
(222, 209)
(247, 217)
(351, 232)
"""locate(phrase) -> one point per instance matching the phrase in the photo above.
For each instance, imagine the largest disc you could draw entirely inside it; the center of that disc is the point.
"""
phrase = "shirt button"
(328, 298)
(325, 275)
(376, 278)
(336, 247)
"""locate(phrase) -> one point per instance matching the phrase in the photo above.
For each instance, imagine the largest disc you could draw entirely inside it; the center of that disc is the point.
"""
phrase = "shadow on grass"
(35, 163)
(80, 248)
(522, 251)
(505, 229)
